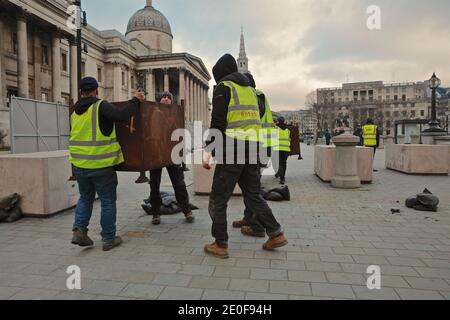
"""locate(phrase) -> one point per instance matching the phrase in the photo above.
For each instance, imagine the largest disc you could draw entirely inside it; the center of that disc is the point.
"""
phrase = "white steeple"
(242, 61)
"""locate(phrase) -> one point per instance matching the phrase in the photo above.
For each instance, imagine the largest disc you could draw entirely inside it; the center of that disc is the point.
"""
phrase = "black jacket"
(225, 70)
(108, 113)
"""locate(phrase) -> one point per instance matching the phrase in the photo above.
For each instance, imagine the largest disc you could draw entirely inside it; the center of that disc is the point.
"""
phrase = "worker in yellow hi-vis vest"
(236, 121)
(94, 151)
(371, 136)
(283, 148)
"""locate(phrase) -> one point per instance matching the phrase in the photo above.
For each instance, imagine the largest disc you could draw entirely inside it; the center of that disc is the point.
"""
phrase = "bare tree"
(311, 100)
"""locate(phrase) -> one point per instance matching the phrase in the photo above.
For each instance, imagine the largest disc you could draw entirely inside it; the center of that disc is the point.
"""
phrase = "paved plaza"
(334, 235)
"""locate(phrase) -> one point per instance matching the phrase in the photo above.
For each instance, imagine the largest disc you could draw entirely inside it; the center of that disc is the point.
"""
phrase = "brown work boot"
(275, 242)
(248, 231)
(112, 244)
(189, 217)
(239, 223)
(81, 238)
(156, 219)
(217, 250)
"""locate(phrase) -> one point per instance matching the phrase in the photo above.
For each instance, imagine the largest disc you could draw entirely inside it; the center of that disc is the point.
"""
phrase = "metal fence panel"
(38, 126)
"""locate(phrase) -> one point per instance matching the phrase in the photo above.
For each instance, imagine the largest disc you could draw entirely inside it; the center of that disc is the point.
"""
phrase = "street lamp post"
(435, 82)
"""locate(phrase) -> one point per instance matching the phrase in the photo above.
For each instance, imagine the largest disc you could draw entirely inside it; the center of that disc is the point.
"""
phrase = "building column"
(117, 90)
(56, 67)
(2, 67)
(191, 98)
(182, 91)
(130, 87)
(22, 56)
(195, 99)
(37, 66)
(73, 71)
(150, 85)
(166, 80)
(202, 103)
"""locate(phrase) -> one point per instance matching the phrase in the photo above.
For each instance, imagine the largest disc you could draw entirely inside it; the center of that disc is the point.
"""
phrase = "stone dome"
(149, 19)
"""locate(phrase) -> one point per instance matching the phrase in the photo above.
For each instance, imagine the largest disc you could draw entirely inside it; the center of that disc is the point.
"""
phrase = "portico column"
(117, 81)
(2, 67)
(56, 67)
(191, 98)
(195, 100)
(22, 56)
(182, 90)
(150, 85)
(166, 80)
(73, 71)
(37, 66)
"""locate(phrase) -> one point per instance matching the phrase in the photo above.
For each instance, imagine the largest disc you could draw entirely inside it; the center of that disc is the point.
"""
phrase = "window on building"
(404, 97)
(404, 113)
(44, 96)
(83, 69)
(123, 78)
(380, 98)
(404, 89)
(14, 42)
(422, 113)
(347, 99)
(132, 82)
(395, 90)
(388, 98)
(396, 113)
(388, 90)
(388, 114)
(413, 113)
(395, 97)
(99, 74)
(64, 61)
(45, 55)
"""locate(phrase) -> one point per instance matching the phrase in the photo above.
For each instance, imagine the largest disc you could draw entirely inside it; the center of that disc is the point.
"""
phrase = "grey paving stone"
(428, 284)
(214, 294)
(307, 276)
(232, 272)
(434, 272)
(177, 293)
(332, 290)
(289, 287)
(209, 282)
(249, 285)
(268, 274)
(196, 270)
(34, 294)
(144, 291)
(414, 294)
(102, 287)
(287, 265)
(265, 296)
(256, 263)
(174, 280)
(7, 292)
(375, 294)
(336, 258)
(323, 266)
(346, 278)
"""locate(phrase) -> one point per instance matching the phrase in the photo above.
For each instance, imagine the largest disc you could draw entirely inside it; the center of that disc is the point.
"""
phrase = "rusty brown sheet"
(295, 140)
(146, 139)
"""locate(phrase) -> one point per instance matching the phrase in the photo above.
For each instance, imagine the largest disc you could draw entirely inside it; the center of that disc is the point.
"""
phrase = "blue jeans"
(104, 182)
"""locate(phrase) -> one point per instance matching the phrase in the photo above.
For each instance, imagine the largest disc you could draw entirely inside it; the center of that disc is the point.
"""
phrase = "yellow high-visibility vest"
(284, 140)
(269, 132)
(89, 148)
(243, 118)
(370, 135)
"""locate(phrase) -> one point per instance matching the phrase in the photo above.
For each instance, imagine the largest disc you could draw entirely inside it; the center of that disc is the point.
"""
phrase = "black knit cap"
(88, 84)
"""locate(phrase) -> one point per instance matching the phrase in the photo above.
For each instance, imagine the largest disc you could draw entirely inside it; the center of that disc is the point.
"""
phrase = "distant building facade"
(384, 103)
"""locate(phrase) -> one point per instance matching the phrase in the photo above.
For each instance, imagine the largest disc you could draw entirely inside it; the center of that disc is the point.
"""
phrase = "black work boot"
(81, 238)
(156, 219)
(112, 244)
(189, 217)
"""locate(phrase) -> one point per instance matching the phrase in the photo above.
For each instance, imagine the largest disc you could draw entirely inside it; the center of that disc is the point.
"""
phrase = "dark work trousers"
(247, 176)
(284, 155)
(179, 186)
(249, 216)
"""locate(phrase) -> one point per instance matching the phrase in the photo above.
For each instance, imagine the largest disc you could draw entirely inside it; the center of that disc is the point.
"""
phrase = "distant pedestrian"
(327, 137)
(371, 136)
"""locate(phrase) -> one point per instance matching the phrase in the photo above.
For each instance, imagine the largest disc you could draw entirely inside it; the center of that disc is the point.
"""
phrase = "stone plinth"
(202, 178)
(325, 157)
(346, 164)
(41, 179)
(418, 158)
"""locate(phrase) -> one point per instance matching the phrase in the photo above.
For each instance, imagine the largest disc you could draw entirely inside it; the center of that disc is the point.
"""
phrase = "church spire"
(242, 61)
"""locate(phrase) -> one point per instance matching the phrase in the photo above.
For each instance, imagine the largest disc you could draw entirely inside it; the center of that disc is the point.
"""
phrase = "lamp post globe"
(434, 83)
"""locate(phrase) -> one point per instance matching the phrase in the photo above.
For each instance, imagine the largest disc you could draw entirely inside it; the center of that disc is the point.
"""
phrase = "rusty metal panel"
(295, 140)
(146, 139)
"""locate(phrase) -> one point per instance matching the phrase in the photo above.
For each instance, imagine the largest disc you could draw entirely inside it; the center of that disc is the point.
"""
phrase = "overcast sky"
(296, 46)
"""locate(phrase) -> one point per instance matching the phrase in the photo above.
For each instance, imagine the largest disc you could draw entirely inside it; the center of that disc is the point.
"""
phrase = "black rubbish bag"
(425, 201)
(277, 194)
(168, 206)
(10, 208)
